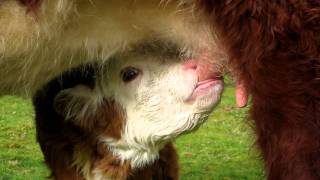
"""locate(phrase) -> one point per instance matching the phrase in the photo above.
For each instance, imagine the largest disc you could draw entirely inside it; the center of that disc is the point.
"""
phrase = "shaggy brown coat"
(274, 49)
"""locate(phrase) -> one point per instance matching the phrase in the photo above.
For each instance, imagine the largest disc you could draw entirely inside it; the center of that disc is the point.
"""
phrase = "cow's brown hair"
(274, 48)
(31, 4)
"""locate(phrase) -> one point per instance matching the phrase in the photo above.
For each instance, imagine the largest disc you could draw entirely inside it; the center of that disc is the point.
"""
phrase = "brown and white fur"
(39, 39)
(116, 120)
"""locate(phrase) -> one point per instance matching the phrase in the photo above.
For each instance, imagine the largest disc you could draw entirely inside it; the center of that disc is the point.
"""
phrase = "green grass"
(20, 156)
(221, 149)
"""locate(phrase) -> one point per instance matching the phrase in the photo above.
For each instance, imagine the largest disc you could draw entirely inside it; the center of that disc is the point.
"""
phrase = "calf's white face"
(161, 95)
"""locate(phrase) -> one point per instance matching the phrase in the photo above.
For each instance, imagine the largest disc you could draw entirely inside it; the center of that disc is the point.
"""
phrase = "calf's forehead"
(149, 53)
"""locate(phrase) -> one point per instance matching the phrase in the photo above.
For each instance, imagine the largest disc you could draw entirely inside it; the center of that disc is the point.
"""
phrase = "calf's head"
(142, 99)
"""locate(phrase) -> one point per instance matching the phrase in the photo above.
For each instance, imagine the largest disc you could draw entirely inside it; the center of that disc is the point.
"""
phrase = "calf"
(116, 120)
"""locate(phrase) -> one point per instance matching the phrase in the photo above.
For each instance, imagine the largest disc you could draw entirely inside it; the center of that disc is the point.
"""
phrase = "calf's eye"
(129, 73)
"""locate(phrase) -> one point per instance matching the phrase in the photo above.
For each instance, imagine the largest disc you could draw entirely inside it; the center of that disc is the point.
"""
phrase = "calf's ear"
(76, 104)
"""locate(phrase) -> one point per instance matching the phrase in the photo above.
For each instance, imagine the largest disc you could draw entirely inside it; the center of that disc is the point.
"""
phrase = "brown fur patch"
(274, 49)
(32, 5)
(108, 120)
